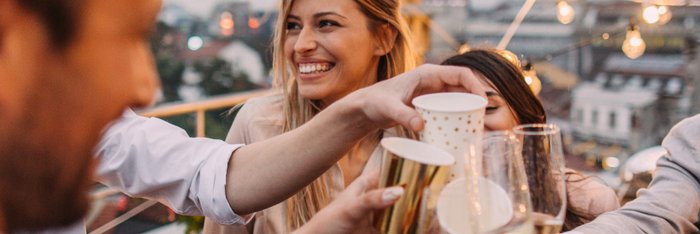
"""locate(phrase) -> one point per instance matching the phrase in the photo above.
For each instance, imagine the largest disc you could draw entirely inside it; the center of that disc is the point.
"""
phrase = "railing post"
(200, 122)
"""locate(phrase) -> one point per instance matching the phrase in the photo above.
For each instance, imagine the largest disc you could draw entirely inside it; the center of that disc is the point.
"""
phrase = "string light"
(634, 45)
(226, 23)
(464, 48)
(195, 43)
(510, 56)
(565, 13)
(653, 14)
(531, 79)
(650, 14)
(664, 14)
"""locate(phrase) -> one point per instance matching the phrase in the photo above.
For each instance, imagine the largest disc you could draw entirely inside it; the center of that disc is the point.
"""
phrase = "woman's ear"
(386, 39)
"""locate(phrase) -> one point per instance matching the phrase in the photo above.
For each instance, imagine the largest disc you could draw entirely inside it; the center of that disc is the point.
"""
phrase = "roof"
(649, 64)
(597, 94)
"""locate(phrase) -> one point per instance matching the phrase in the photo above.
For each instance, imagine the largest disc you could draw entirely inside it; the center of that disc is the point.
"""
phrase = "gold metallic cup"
(418, 167)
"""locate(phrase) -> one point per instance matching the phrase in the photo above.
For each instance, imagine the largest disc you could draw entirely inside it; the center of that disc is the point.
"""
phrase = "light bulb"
(510, 56)
(634, 45)
(565, 13)
(651, 14)
(226, 23)
(664, 14)
(195, 43)
(531, 79)
(464, 48)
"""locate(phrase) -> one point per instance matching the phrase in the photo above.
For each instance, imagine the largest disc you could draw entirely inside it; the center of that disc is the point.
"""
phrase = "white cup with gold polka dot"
(455, 123)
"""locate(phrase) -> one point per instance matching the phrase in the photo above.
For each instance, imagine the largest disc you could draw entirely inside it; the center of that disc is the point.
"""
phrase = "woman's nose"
(306, 41)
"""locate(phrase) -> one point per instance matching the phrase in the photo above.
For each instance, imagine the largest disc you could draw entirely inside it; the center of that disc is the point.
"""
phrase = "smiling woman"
(324, 50)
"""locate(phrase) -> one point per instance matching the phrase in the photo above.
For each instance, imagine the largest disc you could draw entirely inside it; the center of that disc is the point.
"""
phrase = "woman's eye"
(293, 26)
(326, 23)
(491, 108)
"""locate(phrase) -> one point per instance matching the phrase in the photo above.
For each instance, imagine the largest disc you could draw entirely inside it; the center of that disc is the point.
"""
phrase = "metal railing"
(172, 109)
(201, 107)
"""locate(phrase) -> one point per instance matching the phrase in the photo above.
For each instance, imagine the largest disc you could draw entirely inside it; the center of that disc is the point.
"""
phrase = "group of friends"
(303, 159)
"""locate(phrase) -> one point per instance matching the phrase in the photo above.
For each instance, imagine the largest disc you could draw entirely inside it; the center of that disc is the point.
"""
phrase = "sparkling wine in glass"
(543, 160)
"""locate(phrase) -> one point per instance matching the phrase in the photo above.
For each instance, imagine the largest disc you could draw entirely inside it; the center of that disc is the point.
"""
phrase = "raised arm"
(267, 172)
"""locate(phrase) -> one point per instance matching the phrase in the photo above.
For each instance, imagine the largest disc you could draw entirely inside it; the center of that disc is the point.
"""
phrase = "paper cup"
(455, 123)
(418, 167)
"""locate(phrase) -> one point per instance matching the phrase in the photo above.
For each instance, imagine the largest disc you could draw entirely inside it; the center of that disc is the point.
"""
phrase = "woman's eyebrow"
(492, 93)
(325, 13)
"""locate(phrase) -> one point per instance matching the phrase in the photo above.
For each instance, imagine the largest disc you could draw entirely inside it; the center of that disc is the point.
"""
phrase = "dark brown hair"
(36, 192)
(59, 18)
(507, 79)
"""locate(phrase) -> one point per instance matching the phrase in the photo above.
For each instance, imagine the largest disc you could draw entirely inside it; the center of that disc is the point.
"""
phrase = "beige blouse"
(259, 119)
(262, 118)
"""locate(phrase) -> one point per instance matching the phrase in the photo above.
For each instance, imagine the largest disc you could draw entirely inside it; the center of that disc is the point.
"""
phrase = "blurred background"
(614, 74)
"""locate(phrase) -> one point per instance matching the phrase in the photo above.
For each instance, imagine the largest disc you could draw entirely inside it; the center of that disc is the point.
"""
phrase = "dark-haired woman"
(511, 103)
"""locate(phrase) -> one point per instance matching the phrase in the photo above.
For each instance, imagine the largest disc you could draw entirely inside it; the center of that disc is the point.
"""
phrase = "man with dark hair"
(69, 67)
(58, 88)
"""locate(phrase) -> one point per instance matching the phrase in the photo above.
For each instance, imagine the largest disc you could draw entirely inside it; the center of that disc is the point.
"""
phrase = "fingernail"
(391, 194)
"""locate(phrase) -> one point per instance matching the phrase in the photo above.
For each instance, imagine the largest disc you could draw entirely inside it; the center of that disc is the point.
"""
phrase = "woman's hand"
(352, 210)
(387, 103)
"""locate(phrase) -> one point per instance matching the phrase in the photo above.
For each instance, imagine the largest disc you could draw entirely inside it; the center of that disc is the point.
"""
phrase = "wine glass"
(502, 202)
(544, 164)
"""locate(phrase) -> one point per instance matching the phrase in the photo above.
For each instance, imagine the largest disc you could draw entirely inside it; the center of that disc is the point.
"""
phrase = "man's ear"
(8, 12)
(386, 39)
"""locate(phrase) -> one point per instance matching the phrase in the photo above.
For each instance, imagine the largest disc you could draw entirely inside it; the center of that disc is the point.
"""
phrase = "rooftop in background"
(652, 64)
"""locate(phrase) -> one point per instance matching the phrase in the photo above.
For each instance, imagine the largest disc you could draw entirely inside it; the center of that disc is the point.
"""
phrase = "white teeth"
(314, 67)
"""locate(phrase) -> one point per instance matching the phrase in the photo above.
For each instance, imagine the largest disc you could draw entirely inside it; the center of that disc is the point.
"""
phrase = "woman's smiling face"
(330, 48)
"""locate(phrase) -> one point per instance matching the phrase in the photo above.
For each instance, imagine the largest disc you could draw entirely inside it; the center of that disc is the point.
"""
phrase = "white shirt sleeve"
(150, 158)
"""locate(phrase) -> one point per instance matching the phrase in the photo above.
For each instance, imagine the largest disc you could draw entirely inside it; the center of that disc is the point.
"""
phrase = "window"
(635, 121)
(612, 122)
(594, 117)
(579, 116)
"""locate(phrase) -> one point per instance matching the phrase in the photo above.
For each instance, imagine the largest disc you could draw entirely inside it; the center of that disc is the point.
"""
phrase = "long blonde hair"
(382, 14)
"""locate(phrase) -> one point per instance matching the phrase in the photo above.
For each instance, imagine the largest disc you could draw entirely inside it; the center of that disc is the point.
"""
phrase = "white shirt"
(150, 158)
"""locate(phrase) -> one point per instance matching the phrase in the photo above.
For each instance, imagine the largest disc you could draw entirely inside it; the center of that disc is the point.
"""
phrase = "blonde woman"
(324, 50)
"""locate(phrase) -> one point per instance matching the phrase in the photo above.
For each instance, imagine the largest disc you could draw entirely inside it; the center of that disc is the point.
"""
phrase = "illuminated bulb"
(664, 14)
(510, 56)
(464, 48)
(565, 13)
(226, 24)
(195, 43)
(651, 14)
(531, 78)
(253, 23)
(226, 21)
(634, 45)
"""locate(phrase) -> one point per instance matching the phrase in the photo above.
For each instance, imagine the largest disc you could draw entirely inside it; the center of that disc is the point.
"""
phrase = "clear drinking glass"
(503, 203)
(543, 160)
